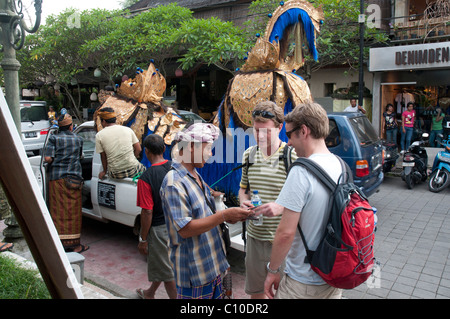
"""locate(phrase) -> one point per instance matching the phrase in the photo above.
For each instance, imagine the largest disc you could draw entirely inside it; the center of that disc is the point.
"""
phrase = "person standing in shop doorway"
(408, 119)
(436, 128)
(390, 126)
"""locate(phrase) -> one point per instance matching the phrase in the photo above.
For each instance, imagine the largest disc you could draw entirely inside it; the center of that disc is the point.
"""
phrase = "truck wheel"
(439, 181)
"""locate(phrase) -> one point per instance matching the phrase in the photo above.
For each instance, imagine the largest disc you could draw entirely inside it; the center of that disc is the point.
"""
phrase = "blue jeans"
(406, 138)
(434, 136)
(391, 135)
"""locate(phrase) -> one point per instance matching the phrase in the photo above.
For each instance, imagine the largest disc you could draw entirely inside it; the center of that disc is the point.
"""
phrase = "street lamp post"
(13, 28)
(361, 21)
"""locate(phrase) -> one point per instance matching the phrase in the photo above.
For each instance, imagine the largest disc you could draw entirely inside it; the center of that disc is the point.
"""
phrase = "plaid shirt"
(66, 149)
(200, 259)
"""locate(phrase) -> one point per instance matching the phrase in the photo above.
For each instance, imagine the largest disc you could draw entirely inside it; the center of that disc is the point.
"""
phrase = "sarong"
(65, 209)
(132, 172)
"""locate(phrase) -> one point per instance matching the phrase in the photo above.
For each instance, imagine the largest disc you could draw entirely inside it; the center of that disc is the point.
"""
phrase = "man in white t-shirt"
(304, 200)
(353, 107)
(118, 147)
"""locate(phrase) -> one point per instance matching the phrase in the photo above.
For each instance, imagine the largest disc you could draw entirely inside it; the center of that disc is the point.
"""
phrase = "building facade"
(416, 66)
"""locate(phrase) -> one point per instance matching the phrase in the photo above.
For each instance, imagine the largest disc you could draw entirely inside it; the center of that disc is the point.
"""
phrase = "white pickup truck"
(109, 199)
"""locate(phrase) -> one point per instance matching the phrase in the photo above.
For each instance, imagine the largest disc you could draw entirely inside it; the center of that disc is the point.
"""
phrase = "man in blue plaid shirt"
(63, 153)
(196, 248)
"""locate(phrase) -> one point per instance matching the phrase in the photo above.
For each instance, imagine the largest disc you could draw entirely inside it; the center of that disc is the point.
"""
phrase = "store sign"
(410, 57)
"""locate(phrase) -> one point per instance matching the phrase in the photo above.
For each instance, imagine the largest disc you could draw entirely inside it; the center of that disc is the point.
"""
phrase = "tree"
(211, 41)
(135, 40)
(54, 52)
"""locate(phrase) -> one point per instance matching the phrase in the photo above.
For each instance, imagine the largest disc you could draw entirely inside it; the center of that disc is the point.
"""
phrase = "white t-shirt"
(117, 142)
(351, 109)
(305, 194)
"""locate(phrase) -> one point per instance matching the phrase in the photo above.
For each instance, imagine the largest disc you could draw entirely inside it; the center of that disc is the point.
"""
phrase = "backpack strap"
(317, 171)
(327, 181)
(249, 162)
(287, 157)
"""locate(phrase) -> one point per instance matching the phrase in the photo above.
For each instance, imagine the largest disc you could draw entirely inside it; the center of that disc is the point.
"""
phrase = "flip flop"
(82, 250)
(140, 293)
(6, 246)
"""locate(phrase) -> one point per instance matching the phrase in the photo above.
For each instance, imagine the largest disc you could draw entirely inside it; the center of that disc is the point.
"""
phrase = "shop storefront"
(418, 73)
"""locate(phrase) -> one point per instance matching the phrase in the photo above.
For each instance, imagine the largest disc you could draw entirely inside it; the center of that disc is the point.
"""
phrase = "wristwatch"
(141, 240)
(272, 271)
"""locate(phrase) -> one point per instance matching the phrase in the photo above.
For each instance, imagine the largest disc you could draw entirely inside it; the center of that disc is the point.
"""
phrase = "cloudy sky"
(56, 6)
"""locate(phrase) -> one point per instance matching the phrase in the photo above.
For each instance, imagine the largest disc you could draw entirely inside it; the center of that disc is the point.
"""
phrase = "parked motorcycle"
(415, 162)
(390, 156)
(440, 176)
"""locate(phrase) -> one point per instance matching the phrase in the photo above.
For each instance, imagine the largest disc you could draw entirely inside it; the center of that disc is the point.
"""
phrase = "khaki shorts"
(257, 255)
(292, 289)
(158, 263)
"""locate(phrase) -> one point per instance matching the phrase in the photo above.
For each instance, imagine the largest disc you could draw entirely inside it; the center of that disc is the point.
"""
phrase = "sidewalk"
(412, 244)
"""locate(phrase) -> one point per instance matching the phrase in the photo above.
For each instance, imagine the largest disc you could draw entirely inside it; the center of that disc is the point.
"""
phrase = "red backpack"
(344, 257)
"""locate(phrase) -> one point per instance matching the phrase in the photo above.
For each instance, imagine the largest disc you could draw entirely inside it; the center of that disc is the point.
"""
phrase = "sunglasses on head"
(289, 133)
(264, 114)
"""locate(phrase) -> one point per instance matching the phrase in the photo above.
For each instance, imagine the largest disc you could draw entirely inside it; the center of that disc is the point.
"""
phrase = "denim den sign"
(410, 57)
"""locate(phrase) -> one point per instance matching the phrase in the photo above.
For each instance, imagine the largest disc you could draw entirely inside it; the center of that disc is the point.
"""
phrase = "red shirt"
(144, 192)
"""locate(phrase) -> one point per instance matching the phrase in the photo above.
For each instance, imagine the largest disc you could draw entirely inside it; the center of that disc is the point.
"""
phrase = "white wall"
(338, 76)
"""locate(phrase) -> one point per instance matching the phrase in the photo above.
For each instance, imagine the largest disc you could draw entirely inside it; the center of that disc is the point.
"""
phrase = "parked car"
(190, 117)
(34, 125)
(354, 139)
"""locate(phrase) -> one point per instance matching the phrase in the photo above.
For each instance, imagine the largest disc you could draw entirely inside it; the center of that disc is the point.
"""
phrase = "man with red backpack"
(304, 200)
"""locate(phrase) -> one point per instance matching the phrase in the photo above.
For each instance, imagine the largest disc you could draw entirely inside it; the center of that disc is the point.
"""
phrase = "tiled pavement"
(412, 243)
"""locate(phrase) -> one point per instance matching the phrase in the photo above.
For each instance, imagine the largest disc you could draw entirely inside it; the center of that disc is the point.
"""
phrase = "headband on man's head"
(106, 115)
(67, 120)
(199, 132)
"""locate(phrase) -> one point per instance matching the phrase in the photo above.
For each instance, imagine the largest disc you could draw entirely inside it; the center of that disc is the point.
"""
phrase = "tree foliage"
(210, 41)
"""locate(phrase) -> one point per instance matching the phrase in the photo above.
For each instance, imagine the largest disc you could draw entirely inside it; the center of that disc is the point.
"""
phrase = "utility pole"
(361, 21)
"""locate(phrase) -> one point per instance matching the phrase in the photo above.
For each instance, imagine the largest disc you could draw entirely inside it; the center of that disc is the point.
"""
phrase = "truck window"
(334, 137)
(88, 136)
(364, 130)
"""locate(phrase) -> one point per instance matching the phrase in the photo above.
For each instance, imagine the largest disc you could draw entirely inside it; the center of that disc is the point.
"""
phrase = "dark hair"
(154, 144)
(389, 104)
(63, 128)
(111, 110)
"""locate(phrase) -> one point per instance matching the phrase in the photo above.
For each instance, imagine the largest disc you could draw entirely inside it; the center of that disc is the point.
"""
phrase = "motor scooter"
(415, 162)
(440, 173)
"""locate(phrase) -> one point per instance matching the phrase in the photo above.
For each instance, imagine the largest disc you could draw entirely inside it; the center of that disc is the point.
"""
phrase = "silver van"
(34, 125)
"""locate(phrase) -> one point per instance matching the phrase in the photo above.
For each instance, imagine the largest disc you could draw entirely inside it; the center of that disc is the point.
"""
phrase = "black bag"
(224, 227)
